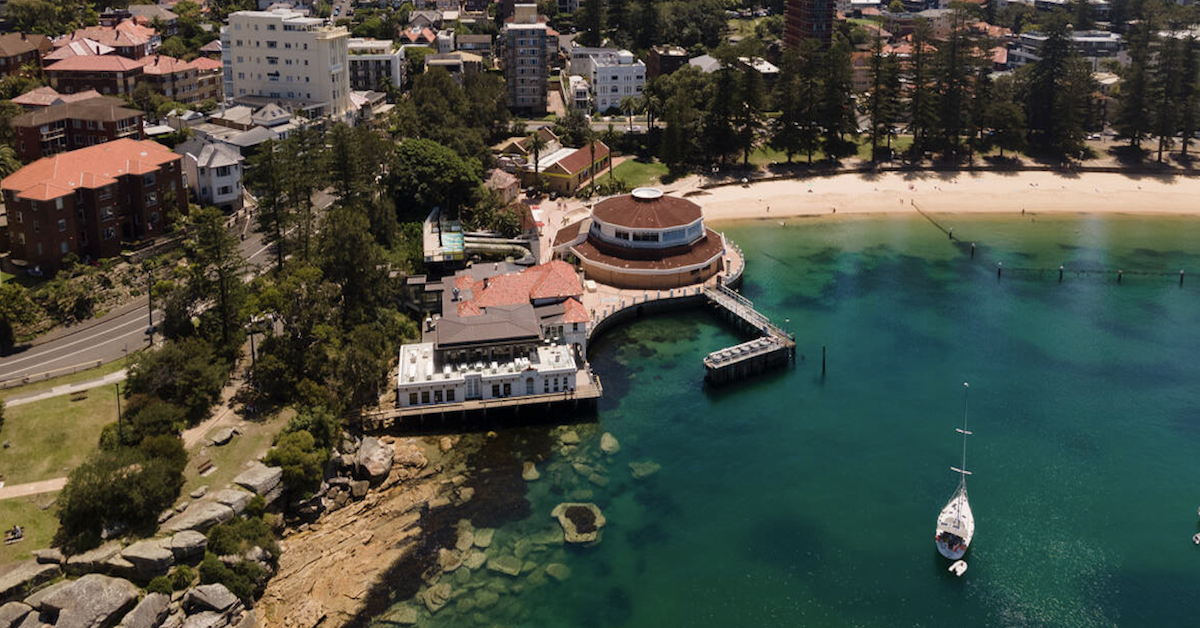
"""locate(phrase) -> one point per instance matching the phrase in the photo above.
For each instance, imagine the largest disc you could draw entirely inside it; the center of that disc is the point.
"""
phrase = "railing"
(51, 374)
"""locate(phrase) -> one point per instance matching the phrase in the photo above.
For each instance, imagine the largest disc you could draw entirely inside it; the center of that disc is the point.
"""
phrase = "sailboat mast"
(963, 476)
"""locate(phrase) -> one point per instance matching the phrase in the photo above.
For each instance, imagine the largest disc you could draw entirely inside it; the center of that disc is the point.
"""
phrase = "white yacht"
(956, 524)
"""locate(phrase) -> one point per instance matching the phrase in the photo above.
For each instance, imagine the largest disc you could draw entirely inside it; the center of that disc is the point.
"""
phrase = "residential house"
(214, 173)
(212, 49)
(18, 49)
(580, 92)
(128, 39)
(458, 64)
(425, 20)
(153, 13)
(78, 48)
(108, 74)
(209, 84)
(70, 126)
(565, 170)
(613, 76)
(418, 36)
(506, 186)
(93, 201)
(477, 44)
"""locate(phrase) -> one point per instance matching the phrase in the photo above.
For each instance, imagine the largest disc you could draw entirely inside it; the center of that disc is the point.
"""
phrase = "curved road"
(113, 335)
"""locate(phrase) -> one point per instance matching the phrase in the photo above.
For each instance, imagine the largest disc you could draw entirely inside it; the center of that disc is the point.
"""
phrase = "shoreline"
(994, 193)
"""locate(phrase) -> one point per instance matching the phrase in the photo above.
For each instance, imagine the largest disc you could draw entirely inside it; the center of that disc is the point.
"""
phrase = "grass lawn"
(743, 27)
(636, 173)
(230, 459)
(35, 515)
(81, 376)
(50, 438)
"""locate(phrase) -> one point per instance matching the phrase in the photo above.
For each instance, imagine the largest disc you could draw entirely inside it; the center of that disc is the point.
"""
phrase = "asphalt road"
(112, 336)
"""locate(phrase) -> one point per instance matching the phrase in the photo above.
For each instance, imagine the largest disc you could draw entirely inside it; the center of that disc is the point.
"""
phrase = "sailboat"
(956, 524)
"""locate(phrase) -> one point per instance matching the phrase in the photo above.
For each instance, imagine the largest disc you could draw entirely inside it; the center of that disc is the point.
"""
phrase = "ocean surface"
(804, 499)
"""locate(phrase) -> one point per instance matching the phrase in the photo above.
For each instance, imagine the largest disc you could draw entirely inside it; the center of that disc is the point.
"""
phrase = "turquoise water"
(798, 499)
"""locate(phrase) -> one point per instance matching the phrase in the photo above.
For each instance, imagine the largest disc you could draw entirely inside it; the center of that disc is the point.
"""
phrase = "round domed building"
(645, 240)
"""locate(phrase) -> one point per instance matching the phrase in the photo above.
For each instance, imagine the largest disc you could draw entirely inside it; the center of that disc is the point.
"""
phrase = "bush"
(186, 373)
(302, 462)
(240, 535)
(324, 427)
(257, 507)
(147, 416)
(182, 578)
(126, 486)
(245, 579)
(159, 585)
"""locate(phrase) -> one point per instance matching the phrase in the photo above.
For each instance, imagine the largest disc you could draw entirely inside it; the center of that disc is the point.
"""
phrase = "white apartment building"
(581, 92)
(286, 57)
(372, 60)
(613, 77)
(546, 370)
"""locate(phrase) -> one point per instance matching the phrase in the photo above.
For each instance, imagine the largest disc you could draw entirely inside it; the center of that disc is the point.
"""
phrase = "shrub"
(159, 585)
(240, 535)
(182, 578)
(301, 460)
(324, 427)
(245, 579)
(257, 507)
(126, 486)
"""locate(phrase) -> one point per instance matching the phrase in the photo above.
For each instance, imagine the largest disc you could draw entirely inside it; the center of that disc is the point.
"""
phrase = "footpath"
(67, 389)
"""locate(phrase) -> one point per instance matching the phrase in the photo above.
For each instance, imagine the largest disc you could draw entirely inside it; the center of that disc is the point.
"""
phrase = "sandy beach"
(986, 192)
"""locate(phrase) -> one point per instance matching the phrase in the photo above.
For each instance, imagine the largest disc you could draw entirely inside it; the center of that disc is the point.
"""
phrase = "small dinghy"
(958, 568)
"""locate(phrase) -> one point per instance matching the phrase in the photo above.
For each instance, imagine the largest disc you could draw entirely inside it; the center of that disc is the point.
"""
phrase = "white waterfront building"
(545, 370)
(286, 57)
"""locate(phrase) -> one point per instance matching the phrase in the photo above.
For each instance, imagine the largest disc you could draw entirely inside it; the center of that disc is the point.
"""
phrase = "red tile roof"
(579, 160)
(205, 64)
(157, 65)
(46, 96)
(103, 63)
(647, 213)
(555, 280)
(123, 35)
(91, 167)
(575, 312)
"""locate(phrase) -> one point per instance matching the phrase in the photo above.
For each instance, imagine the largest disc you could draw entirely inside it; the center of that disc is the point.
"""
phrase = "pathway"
(32, 488)
(66, 389)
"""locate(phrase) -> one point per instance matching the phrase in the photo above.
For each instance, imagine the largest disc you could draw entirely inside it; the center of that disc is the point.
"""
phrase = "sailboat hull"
(955, 526)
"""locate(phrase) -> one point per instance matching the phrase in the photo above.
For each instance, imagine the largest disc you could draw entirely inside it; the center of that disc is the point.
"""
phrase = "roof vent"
(647, 194)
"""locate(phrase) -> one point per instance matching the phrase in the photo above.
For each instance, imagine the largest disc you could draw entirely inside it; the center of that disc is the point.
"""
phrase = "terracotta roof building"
(69, 126)
(45, 96)
(564, 170)
(78, 48)
(128, 38)
(18, 49)
(108, 74)
(644, 240)
(93, 201)
(183, 81)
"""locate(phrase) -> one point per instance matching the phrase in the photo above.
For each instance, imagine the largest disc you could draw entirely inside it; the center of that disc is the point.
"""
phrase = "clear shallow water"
(797, 500)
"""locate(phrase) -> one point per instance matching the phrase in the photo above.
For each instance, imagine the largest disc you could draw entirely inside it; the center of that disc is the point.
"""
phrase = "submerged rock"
(645, 469)
(436, 597)
(484, 536)
(402, 614)
(570, 437)
(558, 571)
(529, 472)
(475, 560)
(609, 444)
(507, 565)
(581, 523)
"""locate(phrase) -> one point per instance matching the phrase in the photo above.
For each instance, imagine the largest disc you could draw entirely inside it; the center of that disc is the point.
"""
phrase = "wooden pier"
(773, 347)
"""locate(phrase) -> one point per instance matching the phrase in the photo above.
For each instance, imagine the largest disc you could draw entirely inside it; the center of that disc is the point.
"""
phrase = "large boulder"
(581, 523)
(374, 459)
(507, 564)
(259, 478)
(17, 579)
(149, 613)
(12, 613)
(149, 558)
(187, 545)
(640, 470)
(93, 561)
(609, 444)
(199, 516)
(36, 599)
(235, 498)
(209, 597)
(50, 556)
(435, 597)
(207, 619)
(93, 601)
(410, 455)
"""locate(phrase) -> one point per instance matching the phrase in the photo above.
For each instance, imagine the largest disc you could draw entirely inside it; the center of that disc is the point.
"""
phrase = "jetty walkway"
(774, 347)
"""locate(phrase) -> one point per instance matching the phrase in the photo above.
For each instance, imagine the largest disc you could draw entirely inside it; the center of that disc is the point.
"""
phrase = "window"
(109, 233)
(225, 189)
(58, 203)
(148, 179)
(223, 171)
(412, 399)
(37, 228)
(622, 235)
(18, 217)
(106, 213)
(645, 237)
(507, 390)
(153, 217)
(495, 390)
(545, 385)
(151, 198)
(62, 248)
(424, 396)
(529, 386)
(62, 225)
(437, 396)
(272, 44)
(272, 60)
(450, 395)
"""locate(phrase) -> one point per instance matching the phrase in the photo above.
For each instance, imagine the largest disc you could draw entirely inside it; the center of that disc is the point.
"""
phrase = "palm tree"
(630, 105)
(536, 144)
(589, 136)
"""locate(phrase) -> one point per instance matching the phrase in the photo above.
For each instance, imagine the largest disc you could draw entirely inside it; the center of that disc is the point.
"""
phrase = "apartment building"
(70, 126)
(128, 39)
(529, 44)
(662, 60)
(374, 60)
(92, 201)
(173, 78)
(108, 74)
(286, 57)
(18, 49)
(613, 76)
(214, 173)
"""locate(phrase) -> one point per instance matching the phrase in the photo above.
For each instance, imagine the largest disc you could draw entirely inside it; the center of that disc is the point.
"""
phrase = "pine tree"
(1189, 94)
(838, 118)
(265, 175)
(720, 137)
(882, 102)
(1132, 121)
(1166, 90)
(215, 266)
(1059, 93)
(750, 121)
(798, 95)
(649, 26)
(592, 21)
(955, 67)
(922, 97)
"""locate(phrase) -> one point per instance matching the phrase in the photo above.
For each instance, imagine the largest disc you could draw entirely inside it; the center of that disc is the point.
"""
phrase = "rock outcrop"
(149, 558)
(640, 470)
(259, 478)
(93, 601)
(210, 597)
(93, 560)
(23, 576)
(12, 613)
(529, 472)
(188, 545)
(149, 613)
(374, 459)
(235, 498)
(199, 516)
(581, 523)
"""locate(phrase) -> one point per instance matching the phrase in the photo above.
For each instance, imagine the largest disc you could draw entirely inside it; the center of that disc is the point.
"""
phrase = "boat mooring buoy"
(960, 567)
